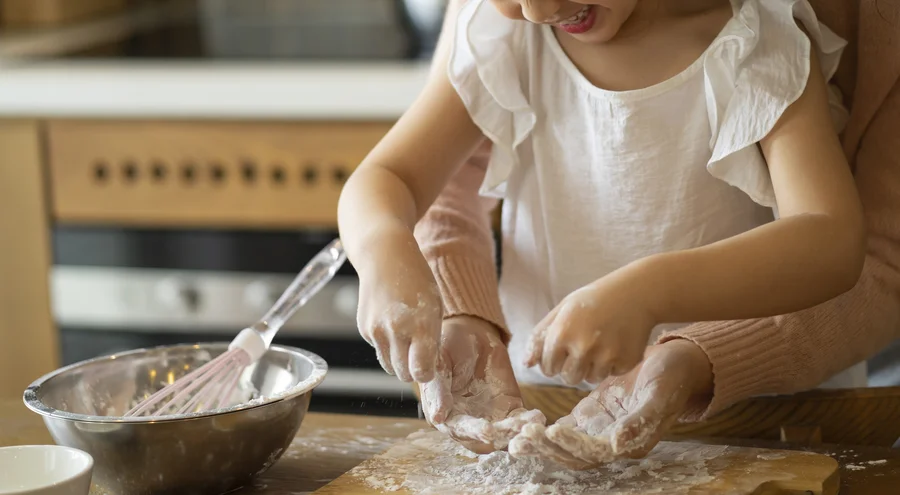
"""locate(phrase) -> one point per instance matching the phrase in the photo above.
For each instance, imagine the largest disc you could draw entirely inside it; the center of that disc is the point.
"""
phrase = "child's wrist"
(648, 276)
(389, 240)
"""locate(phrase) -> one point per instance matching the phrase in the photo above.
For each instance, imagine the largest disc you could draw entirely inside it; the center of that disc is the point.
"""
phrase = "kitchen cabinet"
(210, 174)
(160, 174)
(28, 338)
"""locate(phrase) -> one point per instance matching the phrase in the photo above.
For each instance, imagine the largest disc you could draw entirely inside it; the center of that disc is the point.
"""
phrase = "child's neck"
(649, 12)
(660, 40)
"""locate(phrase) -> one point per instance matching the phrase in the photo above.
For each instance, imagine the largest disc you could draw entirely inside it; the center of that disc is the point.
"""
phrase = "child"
(641, 148)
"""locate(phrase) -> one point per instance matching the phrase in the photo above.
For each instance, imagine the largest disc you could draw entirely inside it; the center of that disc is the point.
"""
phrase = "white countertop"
(209, 90)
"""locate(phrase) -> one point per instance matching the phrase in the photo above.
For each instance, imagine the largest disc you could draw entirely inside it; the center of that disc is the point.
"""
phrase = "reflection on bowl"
(189, 454)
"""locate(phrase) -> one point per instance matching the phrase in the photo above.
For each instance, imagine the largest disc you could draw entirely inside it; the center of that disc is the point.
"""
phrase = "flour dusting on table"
(430, 463)
(362, 443)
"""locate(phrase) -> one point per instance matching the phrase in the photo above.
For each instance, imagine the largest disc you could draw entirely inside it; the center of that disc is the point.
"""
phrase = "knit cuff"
(748, 359)
(469, 288)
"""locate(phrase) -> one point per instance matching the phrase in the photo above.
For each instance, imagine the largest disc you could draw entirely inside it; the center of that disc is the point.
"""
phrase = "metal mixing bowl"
(202, 453)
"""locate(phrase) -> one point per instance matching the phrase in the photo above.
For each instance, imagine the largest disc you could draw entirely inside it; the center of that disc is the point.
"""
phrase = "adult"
(697, 371)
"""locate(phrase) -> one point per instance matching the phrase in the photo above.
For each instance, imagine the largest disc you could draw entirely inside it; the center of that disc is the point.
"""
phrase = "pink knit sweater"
(771, 355)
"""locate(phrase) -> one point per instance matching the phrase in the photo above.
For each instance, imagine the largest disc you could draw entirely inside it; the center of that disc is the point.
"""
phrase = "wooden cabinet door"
(246, 175)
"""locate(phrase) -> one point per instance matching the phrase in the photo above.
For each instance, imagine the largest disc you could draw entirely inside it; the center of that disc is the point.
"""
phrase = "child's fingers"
(423, 352)
(558, 339)
(554, 356)
(536, 344)
(538, 335)
(400, 357)
(535, 348)
(574, 369)
(599, 372)
(382, 349)
(627, 361)
(365, 334)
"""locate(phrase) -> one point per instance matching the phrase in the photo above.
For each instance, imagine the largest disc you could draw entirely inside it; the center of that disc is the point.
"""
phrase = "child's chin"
(597, 36)
(600, 33)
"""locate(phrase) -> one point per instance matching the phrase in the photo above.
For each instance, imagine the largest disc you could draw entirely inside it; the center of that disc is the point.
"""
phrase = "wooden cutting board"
(429, 462)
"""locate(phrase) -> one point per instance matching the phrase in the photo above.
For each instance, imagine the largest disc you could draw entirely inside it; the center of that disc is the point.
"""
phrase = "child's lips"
(576, 17)
(581, 22)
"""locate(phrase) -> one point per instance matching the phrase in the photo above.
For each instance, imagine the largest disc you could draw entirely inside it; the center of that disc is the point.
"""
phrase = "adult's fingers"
(507, 429)
(590, 450)
(476, 434)
(567, 421)
(597, 411)
(437, 397)
(638, 432)
(533, 442)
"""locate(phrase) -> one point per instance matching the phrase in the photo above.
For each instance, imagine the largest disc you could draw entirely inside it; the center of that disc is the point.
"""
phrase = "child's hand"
(597, 331)
(400, 310)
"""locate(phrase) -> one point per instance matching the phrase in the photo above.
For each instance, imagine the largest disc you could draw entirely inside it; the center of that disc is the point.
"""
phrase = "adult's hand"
(474, 397)
(626, 416)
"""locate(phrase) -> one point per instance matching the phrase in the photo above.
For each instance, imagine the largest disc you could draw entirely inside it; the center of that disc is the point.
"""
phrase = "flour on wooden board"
(862, 465)
(430, 463)
(360, 442)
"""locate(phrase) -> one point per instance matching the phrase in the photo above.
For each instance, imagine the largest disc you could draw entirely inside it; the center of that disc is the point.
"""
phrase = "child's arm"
(813, 253)
(400, 308)
(802, 350)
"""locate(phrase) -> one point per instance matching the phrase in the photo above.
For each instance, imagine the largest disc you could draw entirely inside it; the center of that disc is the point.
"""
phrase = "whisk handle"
(315, 275)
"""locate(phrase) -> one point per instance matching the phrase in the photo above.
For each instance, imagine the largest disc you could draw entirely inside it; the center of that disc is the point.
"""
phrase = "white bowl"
(45, 470)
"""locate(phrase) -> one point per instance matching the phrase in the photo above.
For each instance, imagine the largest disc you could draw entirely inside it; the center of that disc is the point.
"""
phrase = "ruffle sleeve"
(754, 71)
(484, 69)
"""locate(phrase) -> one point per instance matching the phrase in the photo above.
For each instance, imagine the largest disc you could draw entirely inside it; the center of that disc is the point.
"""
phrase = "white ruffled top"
(594, 179)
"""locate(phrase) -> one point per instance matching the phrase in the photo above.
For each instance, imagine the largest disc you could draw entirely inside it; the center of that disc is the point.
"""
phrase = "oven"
(117, 289)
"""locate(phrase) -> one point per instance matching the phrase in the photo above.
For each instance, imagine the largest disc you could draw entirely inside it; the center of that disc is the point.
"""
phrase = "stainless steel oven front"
(117, 289)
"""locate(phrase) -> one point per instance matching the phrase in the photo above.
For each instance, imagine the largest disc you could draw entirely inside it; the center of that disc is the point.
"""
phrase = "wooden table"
(328, 446)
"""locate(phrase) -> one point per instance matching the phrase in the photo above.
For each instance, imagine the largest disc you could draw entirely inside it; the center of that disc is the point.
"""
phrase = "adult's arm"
(455, 235)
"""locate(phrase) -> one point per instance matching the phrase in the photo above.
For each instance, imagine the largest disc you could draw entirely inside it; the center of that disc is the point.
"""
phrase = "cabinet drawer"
(243, 175)
(28, 13)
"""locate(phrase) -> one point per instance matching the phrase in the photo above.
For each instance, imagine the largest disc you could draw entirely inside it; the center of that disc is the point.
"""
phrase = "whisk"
(211, 385)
